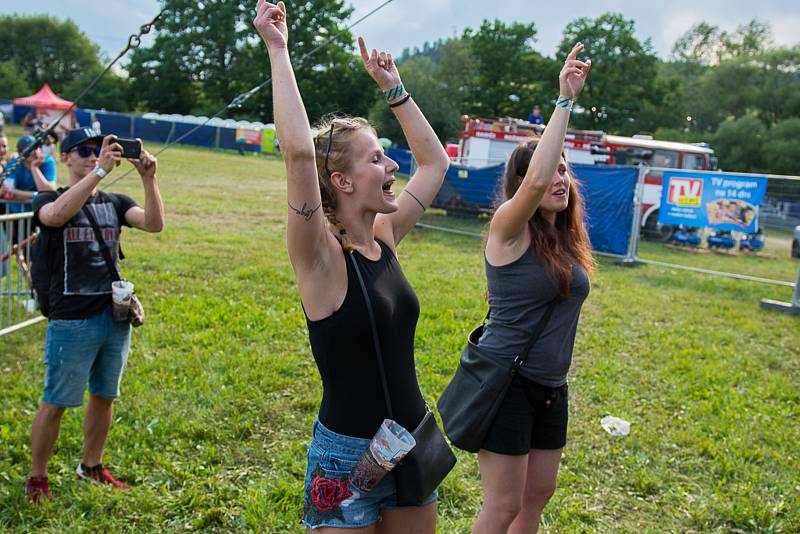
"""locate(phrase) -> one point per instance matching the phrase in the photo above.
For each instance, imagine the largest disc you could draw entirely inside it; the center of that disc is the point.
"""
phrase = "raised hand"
(146, 165)
(110, 153)
(572, 77)
(38, 158)
(380, 66)
(270, 23)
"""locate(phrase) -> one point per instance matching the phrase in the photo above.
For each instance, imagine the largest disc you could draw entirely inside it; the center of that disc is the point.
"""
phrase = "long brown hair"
(339, 158)
(559, 244)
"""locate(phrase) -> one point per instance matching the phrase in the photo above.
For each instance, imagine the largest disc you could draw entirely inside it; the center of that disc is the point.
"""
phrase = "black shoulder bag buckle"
(470, 402)
(136, 314)
(431, 459)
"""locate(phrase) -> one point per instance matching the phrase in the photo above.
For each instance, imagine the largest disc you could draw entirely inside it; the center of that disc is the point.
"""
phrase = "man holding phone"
(84, 343)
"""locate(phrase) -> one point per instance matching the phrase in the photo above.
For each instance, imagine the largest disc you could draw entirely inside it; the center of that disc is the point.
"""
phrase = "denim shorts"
(329, 499)
(92, 350)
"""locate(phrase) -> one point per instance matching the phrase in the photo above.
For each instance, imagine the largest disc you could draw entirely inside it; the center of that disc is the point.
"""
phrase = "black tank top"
(352, 396)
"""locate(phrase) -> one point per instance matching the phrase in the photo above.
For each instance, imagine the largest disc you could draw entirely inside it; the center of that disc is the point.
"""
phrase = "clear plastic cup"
(388, 447)
(121, 295)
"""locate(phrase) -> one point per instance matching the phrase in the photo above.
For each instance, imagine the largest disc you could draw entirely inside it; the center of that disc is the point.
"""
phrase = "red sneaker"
(37, 489)
(100, 474)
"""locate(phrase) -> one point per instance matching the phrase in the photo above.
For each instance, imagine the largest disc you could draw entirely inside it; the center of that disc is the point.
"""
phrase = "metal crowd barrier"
(17, 307)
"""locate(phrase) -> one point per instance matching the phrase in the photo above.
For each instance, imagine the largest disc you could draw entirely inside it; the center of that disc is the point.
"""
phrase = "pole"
(792, 308)
(630, 258)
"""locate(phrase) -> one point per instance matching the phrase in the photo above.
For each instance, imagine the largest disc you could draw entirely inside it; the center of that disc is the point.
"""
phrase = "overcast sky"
(409, 23)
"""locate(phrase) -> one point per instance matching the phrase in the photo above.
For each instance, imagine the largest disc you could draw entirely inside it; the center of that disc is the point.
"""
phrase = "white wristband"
(99, 172)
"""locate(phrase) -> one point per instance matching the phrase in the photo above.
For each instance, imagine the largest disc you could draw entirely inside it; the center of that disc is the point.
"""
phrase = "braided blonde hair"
(340, 157)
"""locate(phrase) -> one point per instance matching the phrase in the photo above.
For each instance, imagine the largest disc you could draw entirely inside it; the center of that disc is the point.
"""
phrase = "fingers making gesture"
(380, 66)
(270, 22)
(572, 77)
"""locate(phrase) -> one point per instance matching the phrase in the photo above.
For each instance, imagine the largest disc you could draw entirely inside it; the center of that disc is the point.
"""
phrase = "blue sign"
(727, 202)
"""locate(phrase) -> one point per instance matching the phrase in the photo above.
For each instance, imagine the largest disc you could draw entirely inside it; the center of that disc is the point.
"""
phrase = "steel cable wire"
(40, 135)
(239, 99)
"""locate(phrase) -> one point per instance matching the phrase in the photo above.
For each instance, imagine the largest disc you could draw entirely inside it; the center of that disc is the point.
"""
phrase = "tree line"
(736, 89)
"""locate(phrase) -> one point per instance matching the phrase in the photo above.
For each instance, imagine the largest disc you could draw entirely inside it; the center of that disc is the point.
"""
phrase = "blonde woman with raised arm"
(341, 202)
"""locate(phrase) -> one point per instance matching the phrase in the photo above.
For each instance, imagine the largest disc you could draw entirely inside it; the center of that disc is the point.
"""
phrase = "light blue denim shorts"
(329, 499)
(92, 350)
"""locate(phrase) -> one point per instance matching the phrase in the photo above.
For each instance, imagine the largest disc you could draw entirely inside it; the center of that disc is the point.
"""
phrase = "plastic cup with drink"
(121, 296)
(388, 447)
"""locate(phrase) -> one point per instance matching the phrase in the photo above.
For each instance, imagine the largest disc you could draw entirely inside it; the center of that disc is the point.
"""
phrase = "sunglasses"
(86, 151)
(335, 122)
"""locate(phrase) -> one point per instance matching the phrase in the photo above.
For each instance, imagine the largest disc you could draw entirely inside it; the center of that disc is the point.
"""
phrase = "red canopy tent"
(44, 99)
(48, 107)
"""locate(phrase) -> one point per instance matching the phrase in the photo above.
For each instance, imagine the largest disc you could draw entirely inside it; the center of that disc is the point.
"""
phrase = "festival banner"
(248, 137)
(725, 202)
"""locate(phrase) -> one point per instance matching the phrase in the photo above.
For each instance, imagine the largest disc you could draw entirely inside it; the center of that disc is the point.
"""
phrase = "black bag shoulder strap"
(112, 268)
(537, 331)
(519, 361)
(117, 202)
(375, 340)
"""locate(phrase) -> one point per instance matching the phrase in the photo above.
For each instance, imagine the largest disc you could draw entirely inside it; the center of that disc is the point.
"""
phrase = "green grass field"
(221, 389)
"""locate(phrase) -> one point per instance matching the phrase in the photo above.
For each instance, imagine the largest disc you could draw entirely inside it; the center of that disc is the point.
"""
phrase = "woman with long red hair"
(538, 262)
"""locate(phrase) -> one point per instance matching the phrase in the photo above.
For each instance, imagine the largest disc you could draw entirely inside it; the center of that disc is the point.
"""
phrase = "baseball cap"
(24, 142)
(77, 136)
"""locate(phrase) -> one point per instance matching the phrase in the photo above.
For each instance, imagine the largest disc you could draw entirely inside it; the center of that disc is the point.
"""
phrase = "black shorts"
(532, 416)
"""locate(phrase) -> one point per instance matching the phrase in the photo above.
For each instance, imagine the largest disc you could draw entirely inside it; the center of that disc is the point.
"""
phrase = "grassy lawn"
(221, 389)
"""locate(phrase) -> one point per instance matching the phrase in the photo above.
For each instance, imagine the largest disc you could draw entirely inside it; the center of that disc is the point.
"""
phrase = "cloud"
(409, 23)
(785, 30)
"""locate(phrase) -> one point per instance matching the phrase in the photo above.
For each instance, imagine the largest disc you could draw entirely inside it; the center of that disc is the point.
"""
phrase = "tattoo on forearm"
(305, 212)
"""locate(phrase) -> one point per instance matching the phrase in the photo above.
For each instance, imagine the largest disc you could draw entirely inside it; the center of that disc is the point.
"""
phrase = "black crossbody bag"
(471, 400)
(431, 459)
(136, 314)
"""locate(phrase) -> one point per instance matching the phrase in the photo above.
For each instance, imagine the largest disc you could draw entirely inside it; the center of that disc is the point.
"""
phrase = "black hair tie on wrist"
(401, 102)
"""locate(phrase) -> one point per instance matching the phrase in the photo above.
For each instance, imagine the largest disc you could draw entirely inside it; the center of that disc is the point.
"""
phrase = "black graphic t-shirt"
(80, 284)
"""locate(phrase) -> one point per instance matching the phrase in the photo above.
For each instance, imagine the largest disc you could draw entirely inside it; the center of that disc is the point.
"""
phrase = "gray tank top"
(518, 297)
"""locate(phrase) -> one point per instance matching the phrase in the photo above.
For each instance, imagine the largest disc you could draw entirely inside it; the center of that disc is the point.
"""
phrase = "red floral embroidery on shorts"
(328, 493)
(325, 496)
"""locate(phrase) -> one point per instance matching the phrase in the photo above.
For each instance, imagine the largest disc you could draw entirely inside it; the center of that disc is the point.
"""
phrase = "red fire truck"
(487, 142)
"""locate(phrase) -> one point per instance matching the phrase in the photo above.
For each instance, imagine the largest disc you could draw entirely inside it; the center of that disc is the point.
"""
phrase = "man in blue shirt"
(36, 173)
(536, 116)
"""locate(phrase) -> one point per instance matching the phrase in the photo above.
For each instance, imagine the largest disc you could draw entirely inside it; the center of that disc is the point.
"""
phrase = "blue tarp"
(402, 157)
(469, 188)
(161, 131)
(608, 192)
(118, 124)
(153, 130)
(83, 118)
(21, 111)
